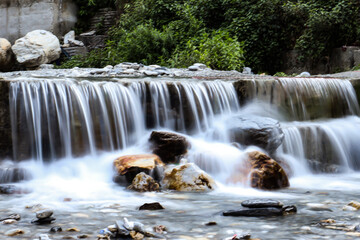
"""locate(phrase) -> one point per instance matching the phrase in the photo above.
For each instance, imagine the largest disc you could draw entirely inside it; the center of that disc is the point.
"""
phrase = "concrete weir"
(297, 99)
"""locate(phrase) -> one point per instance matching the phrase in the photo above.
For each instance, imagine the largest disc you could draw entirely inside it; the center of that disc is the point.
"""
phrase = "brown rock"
(170, 147)
(144, 183)
(7, 58)
(187, 177)
(265, 173)
(130, 165)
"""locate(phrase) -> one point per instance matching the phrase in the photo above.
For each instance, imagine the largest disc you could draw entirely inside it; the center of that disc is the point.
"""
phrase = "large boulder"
(36, 48)
(263, 132)
(6, 55)
(266, 173)
(170, 147)
(187, 178)
(130, 165)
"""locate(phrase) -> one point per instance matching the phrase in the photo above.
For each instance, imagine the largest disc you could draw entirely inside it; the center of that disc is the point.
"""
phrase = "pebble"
(318, 207)
(72, 230)
(287, 210)
(44, 213)
(9, 221)
(262, 203)
(56, 229)
(354, 204)
(14, 232)
(82, 236)
(14, 216)
(160, 229)
(151, 206)
(210, 224)
(136, 235)
(43, 221)
(349, 208)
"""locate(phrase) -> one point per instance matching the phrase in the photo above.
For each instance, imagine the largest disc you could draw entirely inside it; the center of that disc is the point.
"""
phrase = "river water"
(67, 133)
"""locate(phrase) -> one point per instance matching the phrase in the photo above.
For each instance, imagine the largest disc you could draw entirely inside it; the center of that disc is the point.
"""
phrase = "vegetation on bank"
(224, 34)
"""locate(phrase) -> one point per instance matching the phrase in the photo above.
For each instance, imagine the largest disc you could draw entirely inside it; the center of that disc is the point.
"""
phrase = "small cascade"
(308, 98)
(326, 146)
(65, 118)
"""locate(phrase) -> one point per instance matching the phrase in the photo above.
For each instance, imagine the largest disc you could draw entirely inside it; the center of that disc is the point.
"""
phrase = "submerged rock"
(187, 177)
(170, 147)
(130, 165)
(144, 183)
(36, 48)
(262, 203)
(14, 232)
(151, 206)
(263, 132)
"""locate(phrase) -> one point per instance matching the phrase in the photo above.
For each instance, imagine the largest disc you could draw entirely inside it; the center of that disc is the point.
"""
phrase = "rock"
(44, 237)
(56, 229)
(36, 48)
(121, 230)
(187, 177)
(9, 221)
(263, 132)
(318, 207)
(193, 68)
(69, 37)
(44, 213)
(73, 229)
(7, 59)
(262, 203)
(354, 204)
(151, 73)
(136, 235)
(82, 236)
(14, 216)
(160, 229)
(247, 70)
(43, 221)
(200, 65)
(304, 74)
(170, 147)
(151, 206)
(8, 189)
(210, 224)
(266, 173)
(240, 236)
(357, 228)
(255, 212)
(144, 183)
(14, 232)
(131, 165)
(288, 210)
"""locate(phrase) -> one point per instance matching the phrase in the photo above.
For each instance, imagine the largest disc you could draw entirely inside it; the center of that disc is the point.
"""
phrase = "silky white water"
(67, 133)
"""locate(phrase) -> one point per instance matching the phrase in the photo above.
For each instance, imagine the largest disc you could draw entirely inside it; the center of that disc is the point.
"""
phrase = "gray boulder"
(263, 132)
(36, 48)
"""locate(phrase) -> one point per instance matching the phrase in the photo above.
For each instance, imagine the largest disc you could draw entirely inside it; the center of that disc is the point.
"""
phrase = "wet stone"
(288, 210)
(14, 232)
(240, 236)
(56, 229)
(160, 229)
(262, 203)
(13, 216)
(44, 214)
(151, 206)
(357, 228)
(254, 212)
(9, 221)
(210, 224)
(43, 221)
(8, 189)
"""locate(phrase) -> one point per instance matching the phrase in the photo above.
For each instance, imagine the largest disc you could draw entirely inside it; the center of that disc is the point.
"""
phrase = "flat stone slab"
(254, 212)
(262, 203)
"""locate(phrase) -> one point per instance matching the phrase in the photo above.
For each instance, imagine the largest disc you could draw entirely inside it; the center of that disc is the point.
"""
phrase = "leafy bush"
(218, 51)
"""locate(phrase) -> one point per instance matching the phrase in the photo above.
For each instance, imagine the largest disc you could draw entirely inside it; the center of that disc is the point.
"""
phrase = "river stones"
(130, 165)
(151, 206)
(187, 178)
(261, 203)
(144, 183)
(44, 213)
(13, 216)
(14, 232)
(170, 147)
(43, 217)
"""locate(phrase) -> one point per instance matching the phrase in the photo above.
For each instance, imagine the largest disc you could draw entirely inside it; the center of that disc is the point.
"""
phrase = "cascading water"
(79, 127)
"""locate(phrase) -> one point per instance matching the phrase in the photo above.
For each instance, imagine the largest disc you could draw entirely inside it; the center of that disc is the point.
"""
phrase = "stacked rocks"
(43, 217)
(261, 208)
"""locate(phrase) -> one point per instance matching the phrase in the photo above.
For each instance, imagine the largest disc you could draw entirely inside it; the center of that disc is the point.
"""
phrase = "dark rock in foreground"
(262, 203)
(42, 221)
(255, 212)
(151, 206)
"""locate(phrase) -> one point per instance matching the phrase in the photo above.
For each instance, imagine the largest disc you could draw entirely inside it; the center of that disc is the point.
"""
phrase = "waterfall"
(64, 118)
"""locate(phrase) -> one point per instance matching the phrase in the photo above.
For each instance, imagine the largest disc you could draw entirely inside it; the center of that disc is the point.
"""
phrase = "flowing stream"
(67, 132)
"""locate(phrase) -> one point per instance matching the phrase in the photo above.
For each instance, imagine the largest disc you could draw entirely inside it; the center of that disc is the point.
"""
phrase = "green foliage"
(218, 51)
(225, 34)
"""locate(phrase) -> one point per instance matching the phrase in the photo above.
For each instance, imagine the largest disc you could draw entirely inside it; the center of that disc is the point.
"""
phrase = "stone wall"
(18, 17)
